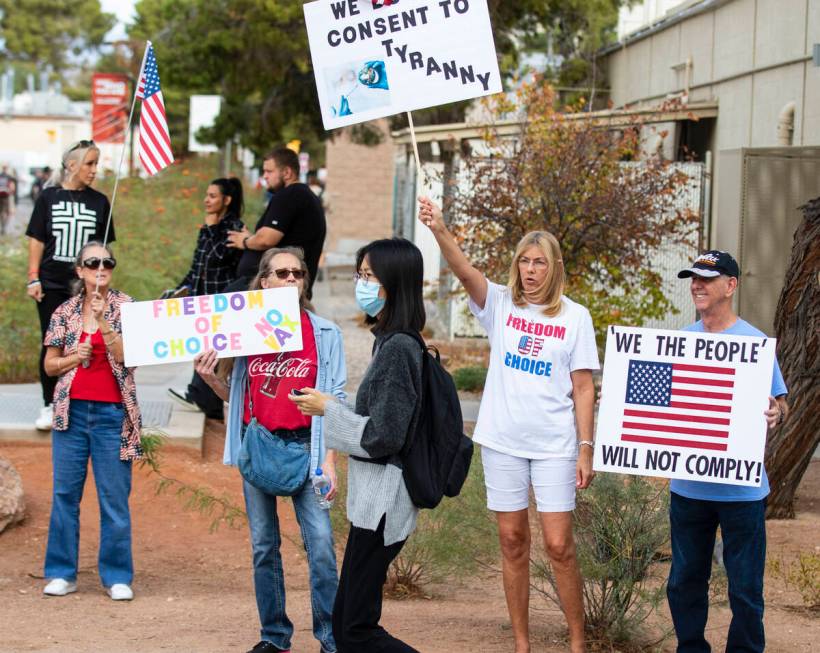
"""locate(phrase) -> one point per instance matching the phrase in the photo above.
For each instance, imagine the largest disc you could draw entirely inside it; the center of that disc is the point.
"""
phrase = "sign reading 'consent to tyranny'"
(681, 404)
(232, 324)
(375, 58)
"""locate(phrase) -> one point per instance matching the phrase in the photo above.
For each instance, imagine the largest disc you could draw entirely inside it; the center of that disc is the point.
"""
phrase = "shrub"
(620, 525)
(470, 379)
(802, 574)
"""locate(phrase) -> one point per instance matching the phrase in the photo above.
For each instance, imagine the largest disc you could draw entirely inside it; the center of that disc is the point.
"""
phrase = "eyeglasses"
(365, 278)
(537, 263)
(81, 145)
(284, 273)
(108, 263)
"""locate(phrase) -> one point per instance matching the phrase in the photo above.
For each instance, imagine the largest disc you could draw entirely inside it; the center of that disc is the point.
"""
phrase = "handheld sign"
(376, 58)
(687, 405)
(232, 324)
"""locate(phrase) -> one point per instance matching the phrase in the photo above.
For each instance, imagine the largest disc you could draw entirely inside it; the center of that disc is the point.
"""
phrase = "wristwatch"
(245, 242)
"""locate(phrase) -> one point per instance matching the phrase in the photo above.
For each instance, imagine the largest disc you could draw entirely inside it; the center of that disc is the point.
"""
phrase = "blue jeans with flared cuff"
(268, 575)
(94, 430)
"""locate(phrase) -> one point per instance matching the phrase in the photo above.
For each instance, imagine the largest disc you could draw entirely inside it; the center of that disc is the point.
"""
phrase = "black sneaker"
(267, 647)
(182, 399)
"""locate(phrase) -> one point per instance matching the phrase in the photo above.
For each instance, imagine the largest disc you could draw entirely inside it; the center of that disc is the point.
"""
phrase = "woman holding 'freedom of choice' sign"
(536, 416)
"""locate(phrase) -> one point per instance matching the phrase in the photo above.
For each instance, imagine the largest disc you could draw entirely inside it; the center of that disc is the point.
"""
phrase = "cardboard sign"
(233, 324)
(687, 405)
(375, 58)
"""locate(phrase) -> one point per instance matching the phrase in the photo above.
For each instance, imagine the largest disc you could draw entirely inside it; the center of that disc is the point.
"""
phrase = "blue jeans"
(94, 429)
(268, 577)
(694, 525)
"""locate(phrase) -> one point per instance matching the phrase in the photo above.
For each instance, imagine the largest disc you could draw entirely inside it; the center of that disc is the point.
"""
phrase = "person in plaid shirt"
(214, 264)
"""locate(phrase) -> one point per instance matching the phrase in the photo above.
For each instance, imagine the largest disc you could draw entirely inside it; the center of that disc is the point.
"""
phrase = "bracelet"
(245, 242)
(33, 282)
(588, 443)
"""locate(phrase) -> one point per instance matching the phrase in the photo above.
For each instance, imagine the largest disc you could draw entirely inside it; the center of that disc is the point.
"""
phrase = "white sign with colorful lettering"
(684, 404)
(376, 58)
(232, 324)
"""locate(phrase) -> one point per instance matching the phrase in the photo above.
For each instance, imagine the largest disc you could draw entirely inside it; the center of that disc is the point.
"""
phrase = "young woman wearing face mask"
(387, 408)
(271, 377)
(66, 216)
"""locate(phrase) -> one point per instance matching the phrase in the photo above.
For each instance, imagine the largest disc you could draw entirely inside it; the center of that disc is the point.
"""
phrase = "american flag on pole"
(154, 143)
(678, 405)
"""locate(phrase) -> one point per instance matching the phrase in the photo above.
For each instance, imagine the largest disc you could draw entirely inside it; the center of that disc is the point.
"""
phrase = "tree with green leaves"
(49, 33)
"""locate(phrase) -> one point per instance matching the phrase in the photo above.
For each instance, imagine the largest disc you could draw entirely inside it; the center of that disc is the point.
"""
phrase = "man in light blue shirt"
(697, 508)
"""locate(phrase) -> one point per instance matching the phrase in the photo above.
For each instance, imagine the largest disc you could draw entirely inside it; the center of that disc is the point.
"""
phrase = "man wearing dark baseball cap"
(697, 508)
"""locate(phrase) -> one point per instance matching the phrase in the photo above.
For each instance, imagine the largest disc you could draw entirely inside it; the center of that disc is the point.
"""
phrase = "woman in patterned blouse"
(95, 415)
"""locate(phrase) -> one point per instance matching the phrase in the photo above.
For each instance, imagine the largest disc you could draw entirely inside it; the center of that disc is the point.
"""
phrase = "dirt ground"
(194, 590)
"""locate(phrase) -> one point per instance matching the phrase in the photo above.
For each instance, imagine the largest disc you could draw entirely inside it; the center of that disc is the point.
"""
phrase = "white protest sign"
(375, 58)
(683, 404)
(232, 324)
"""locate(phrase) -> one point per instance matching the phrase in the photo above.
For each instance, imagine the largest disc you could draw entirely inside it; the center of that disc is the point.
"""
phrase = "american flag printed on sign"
(678, 405)
(154, 142)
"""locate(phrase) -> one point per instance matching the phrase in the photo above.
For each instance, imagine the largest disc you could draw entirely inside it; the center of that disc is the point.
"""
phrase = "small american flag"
(678, 405)
(155, 142)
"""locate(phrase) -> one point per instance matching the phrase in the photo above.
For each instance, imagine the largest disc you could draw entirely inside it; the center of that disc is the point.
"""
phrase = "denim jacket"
(331, 379)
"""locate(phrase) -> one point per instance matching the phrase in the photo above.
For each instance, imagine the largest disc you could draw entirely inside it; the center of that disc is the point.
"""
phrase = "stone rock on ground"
(12, 502)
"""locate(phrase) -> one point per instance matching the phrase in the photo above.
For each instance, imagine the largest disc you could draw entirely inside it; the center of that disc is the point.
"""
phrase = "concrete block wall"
(359, 191)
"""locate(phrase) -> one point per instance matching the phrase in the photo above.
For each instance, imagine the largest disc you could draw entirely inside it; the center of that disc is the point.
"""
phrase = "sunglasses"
(82, 145)
(108, 263)
(284, 273)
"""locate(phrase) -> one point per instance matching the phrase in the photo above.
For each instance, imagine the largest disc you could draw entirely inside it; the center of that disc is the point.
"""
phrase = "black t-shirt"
(65, 220)
(297, 212)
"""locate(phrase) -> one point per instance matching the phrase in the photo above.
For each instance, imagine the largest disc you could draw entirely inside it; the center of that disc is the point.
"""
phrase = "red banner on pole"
(109, 107)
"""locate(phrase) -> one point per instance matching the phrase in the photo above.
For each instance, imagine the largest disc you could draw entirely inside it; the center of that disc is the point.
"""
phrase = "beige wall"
(751, 56)
(359, 191)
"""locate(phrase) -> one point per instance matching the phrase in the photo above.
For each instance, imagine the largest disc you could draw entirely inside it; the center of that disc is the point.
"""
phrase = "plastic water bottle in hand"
(321, 485)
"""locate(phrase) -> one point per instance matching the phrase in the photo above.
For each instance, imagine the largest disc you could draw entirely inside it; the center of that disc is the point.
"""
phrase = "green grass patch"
(156, 220)
(470, 379)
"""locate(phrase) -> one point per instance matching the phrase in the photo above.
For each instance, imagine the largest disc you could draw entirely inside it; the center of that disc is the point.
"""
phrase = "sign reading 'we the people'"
(684, 404)
(232, 324)
(375, 58)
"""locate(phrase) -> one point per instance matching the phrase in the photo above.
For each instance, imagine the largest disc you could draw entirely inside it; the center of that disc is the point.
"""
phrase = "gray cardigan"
(388, 405)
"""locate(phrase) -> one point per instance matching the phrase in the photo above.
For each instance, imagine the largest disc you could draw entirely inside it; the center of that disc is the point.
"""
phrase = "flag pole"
(124, 146)
(86, 363)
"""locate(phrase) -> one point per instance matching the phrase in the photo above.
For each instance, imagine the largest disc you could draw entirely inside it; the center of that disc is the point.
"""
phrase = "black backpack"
(436, 457)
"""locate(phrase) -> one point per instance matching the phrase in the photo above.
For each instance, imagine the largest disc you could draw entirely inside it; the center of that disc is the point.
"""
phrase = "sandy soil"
(194, 589)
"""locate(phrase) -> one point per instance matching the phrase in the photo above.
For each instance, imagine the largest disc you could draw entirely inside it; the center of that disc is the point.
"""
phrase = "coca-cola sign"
(280, 367)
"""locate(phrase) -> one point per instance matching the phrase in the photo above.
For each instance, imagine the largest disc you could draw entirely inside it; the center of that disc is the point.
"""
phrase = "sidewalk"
(20, 404)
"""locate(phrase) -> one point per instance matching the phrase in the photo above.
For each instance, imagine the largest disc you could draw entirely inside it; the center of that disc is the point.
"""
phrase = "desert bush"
(801, 574)
(470, 379)
(620, 525)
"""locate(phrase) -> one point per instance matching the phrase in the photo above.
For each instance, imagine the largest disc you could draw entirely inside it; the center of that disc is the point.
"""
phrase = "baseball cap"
(712, 264)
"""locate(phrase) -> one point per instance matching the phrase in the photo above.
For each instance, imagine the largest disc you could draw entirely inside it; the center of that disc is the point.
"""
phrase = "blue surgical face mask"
(367, 297)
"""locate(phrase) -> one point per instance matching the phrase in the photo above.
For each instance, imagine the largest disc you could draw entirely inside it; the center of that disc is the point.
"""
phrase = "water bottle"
(321, 486)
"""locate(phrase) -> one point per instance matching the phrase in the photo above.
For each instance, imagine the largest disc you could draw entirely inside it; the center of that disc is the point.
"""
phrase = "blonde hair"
(76, 152)
(549, 293)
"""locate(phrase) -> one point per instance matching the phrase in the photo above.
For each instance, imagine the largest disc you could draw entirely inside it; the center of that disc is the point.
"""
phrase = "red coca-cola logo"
(291, 367)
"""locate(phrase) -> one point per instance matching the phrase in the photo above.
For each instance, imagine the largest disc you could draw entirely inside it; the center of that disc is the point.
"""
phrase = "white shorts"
(508, 480)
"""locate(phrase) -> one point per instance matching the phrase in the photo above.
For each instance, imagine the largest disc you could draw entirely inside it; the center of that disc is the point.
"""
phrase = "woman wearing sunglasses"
(95, 416)
(271, 378)
(67, 214)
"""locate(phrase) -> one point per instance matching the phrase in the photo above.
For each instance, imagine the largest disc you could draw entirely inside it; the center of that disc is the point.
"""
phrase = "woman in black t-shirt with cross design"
(66, 216)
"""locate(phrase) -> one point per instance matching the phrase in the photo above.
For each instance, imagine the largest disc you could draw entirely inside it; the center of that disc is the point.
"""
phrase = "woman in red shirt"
(95, 415)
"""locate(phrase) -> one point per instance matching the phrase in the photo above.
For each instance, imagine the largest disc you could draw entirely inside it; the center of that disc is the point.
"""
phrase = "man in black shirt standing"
(294, 217)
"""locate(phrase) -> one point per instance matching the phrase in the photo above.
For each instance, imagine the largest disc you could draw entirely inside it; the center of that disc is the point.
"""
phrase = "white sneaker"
(60, 587)
(43, 422)
(120, 592)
